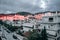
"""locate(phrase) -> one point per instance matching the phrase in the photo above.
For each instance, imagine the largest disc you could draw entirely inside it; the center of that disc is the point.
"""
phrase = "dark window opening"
(48, 26)
(50, 19)
(58, 38)
(58, 31)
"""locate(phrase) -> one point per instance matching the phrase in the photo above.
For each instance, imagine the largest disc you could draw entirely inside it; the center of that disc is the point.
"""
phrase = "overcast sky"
(29, 5)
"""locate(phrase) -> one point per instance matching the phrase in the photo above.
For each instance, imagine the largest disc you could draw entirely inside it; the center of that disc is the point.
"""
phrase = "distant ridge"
(24, 13)
(28, 13)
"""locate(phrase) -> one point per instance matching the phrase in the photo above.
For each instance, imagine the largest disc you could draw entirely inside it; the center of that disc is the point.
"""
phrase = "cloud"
(28, 5)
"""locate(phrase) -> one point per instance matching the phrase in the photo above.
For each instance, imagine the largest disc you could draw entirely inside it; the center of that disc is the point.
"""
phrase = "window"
(16, 21)
(48, 26)
(58, 38)
(58, 31)
(51, 24)
(50, 19)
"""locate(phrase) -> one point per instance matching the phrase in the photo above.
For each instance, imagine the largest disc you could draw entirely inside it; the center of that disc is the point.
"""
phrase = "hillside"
(24, 13)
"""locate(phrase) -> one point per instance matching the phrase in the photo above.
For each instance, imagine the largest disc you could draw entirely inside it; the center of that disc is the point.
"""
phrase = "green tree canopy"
(44, 34)
(34, 35)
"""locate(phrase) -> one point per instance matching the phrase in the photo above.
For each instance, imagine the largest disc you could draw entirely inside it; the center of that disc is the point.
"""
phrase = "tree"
(1, 22)
(44, 34)
(15, 37)
(10, 27)
(0, 38)
(20, 33)
(34, 36)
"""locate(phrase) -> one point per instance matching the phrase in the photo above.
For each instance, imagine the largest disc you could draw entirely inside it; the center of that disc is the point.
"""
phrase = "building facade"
(52, 24)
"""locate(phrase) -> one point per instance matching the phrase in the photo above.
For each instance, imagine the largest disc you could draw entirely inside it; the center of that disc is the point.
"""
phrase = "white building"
(52, 24)
(14, 22)
(29, 24)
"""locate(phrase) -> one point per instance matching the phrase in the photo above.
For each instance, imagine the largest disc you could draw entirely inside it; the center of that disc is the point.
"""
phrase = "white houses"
(14, 22)
(28, 26)
(52, 24)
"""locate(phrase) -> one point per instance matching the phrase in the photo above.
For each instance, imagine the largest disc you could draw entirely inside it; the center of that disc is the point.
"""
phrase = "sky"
(33, 6)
